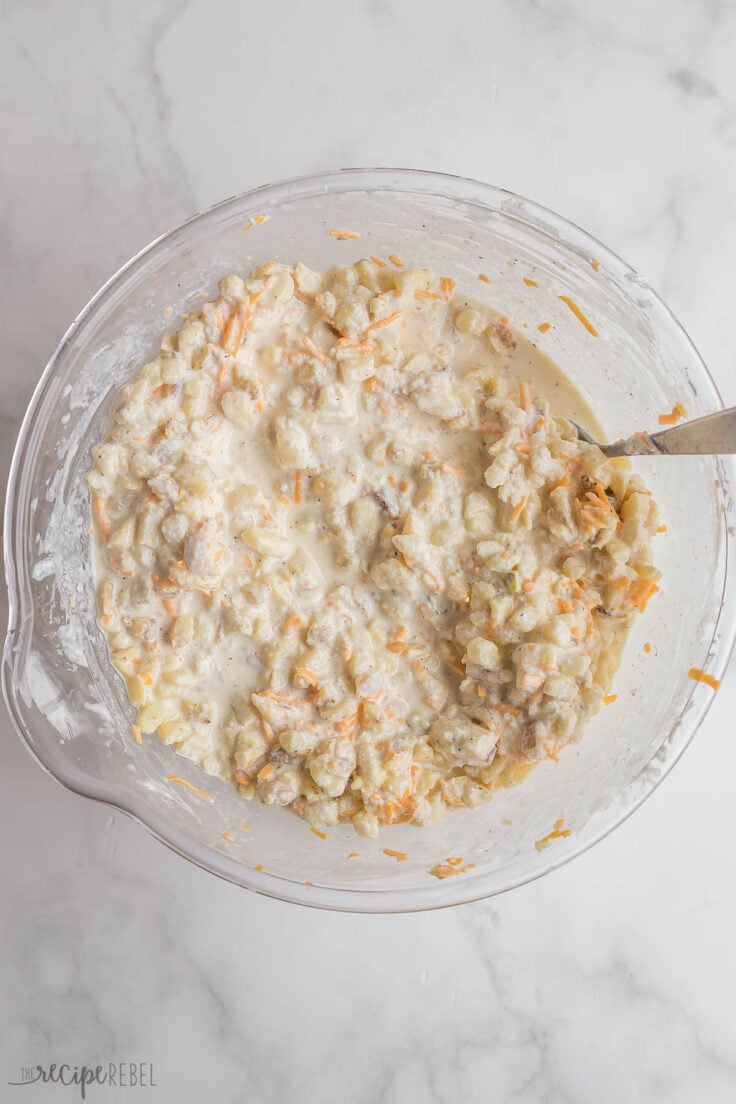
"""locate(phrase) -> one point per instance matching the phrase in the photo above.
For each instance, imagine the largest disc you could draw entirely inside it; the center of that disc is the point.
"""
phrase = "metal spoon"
(712, 435)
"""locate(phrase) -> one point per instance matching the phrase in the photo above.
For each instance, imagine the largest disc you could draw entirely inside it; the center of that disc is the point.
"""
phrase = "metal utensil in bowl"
(713, 435)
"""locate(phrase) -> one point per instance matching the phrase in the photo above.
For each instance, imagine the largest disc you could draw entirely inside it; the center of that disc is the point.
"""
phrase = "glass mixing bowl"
(70, 705)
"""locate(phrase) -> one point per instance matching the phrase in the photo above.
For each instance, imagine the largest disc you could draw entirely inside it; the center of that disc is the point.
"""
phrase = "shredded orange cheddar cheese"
(677, 413)
(400, 856)
(315, 350)
(342, 235)
(100, 515)
(572, 305)
(518, 508)
(189, 786)
(449, 867)
(557, 833)
(232, 335)
(641, 591)
(381, 322)
(702, 676)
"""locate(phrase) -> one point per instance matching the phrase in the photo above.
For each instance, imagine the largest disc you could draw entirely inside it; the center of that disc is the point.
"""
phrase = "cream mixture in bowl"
(350, 558)
(347, 559)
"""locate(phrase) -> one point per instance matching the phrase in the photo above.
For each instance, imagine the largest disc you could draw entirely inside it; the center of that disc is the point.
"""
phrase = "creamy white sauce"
(349, 559)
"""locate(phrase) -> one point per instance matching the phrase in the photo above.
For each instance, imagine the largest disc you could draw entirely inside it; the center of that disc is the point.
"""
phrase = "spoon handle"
(715, 434)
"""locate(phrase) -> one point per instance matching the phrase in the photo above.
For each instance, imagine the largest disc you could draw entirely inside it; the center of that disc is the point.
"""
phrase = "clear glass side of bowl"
(71, 706)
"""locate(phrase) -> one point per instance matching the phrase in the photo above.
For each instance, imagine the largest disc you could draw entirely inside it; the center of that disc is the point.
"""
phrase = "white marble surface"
(611, 980)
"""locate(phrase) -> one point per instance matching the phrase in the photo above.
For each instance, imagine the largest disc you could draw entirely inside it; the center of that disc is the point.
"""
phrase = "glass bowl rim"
(390, 900)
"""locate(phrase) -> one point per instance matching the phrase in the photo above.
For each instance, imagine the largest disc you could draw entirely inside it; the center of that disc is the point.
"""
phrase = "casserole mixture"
(349, 559)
